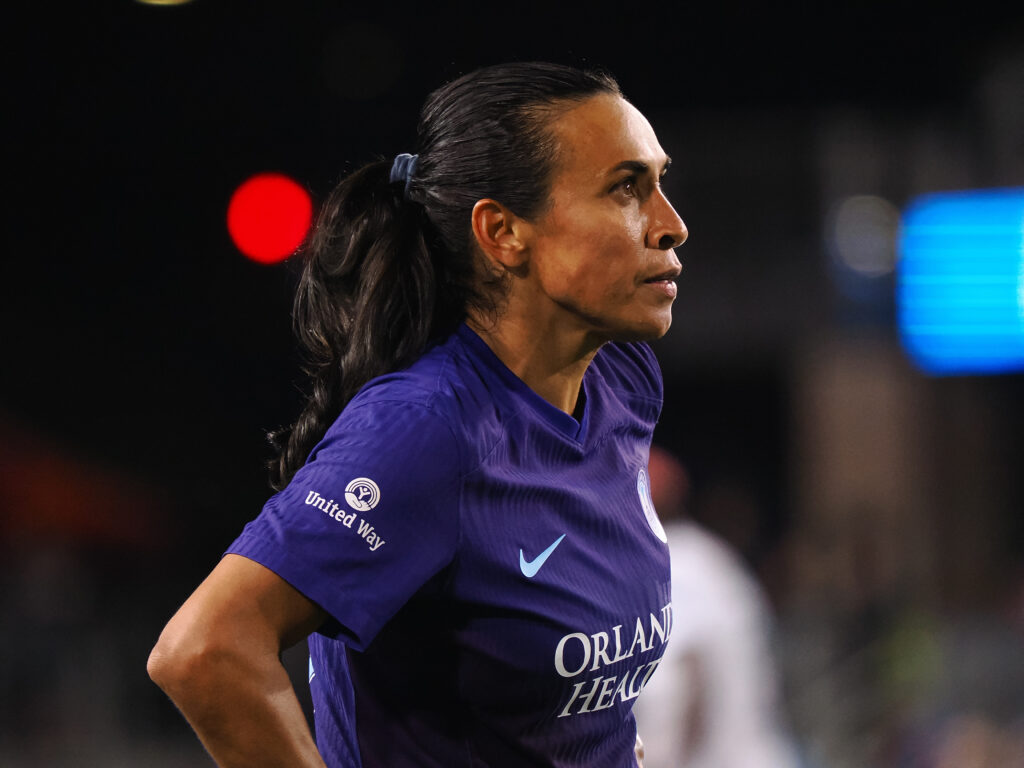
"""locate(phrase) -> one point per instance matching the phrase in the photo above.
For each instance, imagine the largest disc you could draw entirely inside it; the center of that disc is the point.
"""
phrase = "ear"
(499, 233)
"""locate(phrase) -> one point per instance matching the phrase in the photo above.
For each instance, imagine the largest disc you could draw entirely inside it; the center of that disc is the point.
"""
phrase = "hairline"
(547, 114)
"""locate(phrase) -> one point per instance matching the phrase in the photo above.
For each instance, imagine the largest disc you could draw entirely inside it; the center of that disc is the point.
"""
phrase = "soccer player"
(463, 528)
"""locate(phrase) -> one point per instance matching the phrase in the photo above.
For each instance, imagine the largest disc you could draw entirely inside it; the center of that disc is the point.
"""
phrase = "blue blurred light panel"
(960, 282)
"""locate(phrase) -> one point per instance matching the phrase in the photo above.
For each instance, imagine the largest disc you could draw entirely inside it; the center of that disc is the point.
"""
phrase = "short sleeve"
(370, 518)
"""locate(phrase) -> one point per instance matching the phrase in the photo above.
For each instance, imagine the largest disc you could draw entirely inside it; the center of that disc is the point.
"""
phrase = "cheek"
(634, 226)
(619, 239)
(594, 254)
(618, 252)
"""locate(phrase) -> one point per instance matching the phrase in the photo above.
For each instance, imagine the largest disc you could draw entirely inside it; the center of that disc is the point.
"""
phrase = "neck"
(552, 364)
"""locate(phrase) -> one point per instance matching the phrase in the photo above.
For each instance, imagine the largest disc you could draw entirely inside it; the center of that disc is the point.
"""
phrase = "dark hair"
(389, 270)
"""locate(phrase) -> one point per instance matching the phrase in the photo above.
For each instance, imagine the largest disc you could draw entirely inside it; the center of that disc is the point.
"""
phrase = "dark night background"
(144, 358)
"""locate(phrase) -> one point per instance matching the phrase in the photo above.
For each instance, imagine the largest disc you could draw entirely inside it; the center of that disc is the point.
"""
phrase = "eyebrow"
(638, 167)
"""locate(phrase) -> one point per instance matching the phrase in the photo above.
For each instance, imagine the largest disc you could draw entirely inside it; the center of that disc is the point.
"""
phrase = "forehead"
(602, 132)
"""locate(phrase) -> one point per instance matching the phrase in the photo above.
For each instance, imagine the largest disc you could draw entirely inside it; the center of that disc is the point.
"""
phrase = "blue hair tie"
(403, 168)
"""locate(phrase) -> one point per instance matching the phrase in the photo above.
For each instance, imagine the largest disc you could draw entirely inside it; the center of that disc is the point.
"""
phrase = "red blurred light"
(269, 216)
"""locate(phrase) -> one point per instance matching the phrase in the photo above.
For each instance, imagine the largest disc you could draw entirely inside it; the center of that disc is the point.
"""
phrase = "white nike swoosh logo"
(530, 568)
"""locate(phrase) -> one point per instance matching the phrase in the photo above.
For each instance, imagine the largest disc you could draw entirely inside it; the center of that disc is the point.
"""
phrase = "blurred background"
(877, 504)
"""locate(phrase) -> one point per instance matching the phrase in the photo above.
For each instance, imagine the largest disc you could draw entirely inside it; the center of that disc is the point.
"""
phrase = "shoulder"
(631, 371)
(438, 406)
(631, 366)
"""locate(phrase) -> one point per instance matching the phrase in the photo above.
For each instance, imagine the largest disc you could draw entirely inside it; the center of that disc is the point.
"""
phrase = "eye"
(628, 187)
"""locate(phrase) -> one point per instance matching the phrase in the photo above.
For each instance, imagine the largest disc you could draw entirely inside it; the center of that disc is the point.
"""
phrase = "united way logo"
(362, 494)
(643, 488)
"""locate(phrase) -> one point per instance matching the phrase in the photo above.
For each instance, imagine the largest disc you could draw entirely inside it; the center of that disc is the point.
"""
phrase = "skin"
(218, 659)
(597, 266)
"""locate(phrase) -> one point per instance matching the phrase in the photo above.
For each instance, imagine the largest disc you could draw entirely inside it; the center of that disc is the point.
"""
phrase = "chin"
(644, 331)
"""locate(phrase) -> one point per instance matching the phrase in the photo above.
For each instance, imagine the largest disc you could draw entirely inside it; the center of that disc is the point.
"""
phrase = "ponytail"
(369, 301)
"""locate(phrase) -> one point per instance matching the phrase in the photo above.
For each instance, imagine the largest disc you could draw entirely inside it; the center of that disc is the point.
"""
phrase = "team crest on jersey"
(362, 494)
(643, 488)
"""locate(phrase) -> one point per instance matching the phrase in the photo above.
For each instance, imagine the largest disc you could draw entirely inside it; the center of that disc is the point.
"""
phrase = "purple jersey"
(496, 575)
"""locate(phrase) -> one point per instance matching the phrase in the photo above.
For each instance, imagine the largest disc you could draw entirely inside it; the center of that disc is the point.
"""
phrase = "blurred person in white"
(714, 702)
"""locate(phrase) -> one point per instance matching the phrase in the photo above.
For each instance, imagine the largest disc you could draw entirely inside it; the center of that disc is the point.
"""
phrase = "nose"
(667, 230)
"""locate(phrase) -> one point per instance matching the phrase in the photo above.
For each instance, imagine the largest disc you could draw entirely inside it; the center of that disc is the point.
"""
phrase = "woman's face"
(603, 251)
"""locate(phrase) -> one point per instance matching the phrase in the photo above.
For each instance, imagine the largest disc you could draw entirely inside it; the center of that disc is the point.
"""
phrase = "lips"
(668, 274)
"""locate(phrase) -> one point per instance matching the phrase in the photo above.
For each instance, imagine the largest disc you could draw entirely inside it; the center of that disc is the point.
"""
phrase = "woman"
(463, 530)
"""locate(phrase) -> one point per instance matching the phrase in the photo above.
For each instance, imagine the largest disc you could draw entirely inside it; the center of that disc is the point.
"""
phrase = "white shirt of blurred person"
(713, 702)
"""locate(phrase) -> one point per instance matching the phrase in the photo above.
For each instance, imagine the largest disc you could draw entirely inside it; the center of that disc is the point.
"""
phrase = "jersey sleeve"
(369, 519)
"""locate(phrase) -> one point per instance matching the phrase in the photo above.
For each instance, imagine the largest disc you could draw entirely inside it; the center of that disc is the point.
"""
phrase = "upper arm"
(241, 605)
(368, 520)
